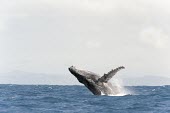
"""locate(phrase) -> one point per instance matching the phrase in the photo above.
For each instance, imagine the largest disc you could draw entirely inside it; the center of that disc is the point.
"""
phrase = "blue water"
(78, 99)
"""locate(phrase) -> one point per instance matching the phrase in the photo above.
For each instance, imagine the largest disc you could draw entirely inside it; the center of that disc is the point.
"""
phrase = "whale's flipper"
(106, 77)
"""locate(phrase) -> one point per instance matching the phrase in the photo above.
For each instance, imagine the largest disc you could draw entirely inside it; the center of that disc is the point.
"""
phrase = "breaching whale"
(96, 84)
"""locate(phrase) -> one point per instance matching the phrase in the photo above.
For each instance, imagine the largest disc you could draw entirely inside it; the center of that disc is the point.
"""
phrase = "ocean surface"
(78, 99)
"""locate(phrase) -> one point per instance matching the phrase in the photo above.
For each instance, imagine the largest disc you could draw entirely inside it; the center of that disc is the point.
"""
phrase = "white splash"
(120, 90)
(102, 93)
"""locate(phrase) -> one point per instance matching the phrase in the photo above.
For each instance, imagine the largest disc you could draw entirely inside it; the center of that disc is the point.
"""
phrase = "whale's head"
(87, 78)
(72, 69)
(79, 74)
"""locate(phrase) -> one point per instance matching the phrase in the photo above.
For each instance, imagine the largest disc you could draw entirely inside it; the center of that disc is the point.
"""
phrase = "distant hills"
(20, 77)
(146, 80)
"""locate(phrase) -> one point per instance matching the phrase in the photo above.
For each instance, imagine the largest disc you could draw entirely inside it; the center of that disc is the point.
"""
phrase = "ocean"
(78, 99)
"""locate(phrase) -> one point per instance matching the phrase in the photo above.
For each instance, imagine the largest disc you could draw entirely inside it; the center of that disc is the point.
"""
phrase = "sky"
(48, 36)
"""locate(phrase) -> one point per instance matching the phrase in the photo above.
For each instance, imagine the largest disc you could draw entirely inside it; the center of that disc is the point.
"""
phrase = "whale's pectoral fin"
(106, 77)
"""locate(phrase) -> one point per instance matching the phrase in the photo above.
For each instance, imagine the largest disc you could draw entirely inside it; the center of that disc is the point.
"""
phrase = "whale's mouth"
(76, 72)
(72, 69)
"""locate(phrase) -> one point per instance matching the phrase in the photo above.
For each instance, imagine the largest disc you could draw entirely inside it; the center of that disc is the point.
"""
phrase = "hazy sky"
(48, 36)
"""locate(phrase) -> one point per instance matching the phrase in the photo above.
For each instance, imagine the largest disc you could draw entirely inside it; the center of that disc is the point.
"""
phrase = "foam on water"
(120, 94)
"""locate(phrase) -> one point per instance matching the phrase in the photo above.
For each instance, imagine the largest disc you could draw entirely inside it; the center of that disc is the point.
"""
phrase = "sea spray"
(120, 88)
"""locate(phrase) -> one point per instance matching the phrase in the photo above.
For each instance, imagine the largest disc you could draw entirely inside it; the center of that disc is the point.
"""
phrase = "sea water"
(78, 99)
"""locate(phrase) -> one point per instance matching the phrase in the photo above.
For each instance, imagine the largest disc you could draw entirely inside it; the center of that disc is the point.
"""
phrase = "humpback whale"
(98, 85)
